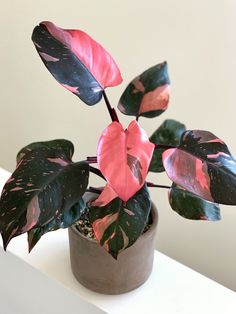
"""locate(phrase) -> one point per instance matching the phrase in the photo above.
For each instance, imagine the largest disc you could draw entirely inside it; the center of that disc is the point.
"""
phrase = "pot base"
(95, 269)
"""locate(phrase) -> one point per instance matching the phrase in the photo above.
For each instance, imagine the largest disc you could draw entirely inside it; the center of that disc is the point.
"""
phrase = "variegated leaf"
(123, 157)
(191, 206)
(76, 61)
(203, 165)
(118, 225)
(148, 94)
(168, 133)
(64, 220)
(106, 196)
(60, 145)
(45, 184)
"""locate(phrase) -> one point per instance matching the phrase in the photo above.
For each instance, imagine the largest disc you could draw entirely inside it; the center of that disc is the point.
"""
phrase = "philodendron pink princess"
(46, 190)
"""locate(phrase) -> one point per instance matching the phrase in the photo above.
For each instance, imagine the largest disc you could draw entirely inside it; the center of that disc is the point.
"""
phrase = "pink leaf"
(94, 57)
(157, 99)
(123, 158)
(105, 197)
(188, 172)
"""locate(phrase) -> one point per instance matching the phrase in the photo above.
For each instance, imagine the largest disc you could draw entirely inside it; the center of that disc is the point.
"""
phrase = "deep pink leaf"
(94, 57)
(123, 158)
(157, 99)
(107, 195)
(202, 164)
(188, 172)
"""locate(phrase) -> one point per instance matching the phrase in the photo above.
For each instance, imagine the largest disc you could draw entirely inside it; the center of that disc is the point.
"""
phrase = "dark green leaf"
(64, 220)
(148, 94)
(191, 206)
(168, 133)
(118, 225)
(45, 184)
(61, 145)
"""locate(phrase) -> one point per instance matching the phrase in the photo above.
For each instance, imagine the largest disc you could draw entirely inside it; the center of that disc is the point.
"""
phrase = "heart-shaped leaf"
(148, 94)
(203, 165)
(123, 157)
(76, 61)
(118, 225)
(191, 206)
(45, 184)
(64, 220)
(168, 133)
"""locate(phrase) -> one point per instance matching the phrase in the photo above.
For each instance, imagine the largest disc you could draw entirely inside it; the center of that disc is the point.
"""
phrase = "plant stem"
(96, 171)
(93, 190)
(152, 185)
(165, 146)
(111, 110)
(92, 160)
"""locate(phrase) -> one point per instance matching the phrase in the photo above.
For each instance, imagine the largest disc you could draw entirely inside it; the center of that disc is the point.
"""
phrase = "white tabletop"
(171, 289)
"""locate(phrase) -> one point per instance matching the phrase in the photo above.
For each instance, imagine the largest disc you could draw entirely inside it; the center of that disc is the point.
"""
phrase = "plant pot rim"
(144, 235)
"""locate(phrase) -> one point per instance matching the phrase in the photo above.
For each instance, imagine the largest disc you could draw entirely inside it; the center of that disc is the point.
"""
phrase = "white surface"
(171, 289)
(25, 290)
(196, 37)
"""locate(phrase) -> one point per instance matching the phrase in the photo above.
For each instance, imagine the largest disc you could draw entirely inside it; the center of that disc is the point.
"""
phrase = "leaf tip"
(114, 254)
(30, 248)
(32, 240)
(5, 241)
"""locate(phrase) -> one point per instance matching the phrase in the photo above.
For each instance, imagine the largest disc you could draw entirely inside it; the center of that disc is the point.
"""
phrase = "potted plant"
(47, 191)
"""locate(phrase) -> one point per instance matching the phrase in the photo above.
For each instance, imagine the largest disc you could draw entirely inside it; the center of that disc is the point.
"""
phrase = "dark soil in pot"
(84, 226)
(94, 268)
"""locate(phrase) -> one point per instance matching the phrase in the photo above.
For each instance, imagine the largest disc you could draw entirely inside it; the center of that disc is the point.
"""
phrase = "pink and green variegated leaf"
(191, 206)
(123, 158)
(67, 218)
(203, 165)
(168, 133)
(45, 184)
(148, 94)
(107, 195)
(76, 61)
(118, 225)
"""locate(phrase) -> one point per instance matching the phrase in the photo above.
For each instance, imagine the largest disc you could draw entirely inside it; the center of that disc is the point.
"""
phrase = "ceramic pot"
(95, 269)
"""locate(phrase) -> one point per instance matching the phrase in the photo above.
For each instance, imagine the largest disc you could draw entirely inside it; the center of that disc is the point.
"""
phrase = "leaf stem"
(111, 110)
(165, 146)
(93, 190)
(96, 171)
(152, 185)
(92, 160)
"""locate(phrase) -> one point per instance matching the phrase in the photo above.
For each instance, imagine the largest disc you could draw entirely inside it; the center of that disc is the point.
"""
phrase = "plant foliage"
(46, 191)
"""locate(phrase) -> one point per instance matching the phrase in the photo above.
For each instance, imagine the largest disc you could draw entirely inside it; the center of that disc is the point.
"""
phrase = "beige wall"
(197, 38)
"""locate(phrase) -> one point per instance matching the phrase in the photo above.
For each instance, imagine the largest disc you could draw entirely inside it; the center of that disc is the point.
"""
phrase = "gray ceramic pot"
(95, 269)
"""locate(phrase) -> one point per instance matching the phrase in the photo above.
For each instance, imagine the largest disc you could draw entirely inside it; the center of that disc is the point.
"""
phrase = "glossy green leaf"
(65, 146)
(190, 206)
(64, 220)
(148, 94)
(118, 224)
(45, 184)
(168, 133)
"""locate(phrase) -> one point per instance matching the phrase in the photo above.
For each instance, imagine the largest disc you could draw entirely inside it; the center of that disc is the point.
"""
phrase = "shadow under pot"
(97, 270)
